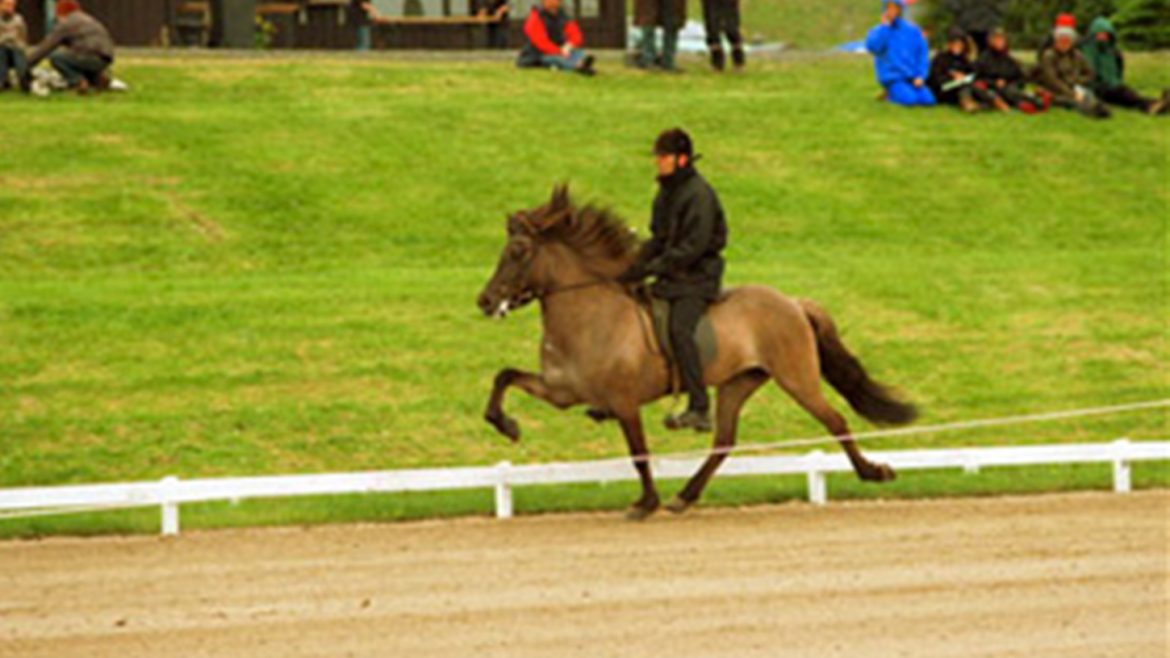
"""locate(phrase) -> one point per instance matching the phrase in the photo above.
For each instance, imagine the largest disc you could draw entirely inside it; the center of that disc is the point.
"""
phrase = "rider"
(689, 230)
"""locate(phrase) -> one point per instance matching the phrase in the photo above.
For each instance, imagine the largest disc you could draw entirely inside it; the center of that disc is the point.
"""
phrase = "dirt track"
(1067, 576)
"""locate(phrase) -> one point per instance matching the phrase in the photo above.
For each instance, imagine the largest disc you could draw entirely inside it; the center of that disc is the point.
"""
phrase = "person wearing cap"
(901, 57)
(1064, 73)
(649, 15)
(1000, 74)
(79, 47)
(553, 40)
(721, 19)
(688, 233)
(1062, 20)
(13, 41)
(1108, 65)
(952, 75)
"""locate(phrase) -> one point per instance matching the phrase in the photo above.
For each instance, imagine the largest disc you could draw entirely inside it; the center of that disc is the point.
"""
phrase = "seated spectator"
(1065, 73)
(13, 41)
(901, 57)
(88, 49)
(952, 76)
(1108, 65)
(554, 40)
(1062, 20)
(997, 72)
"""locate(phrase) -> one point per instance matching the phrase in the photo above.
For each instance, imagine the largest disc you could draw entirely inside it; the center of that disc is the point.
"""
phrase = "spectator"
(496, 12)
(1000, 74)
(721, 18)
(1065, 73)
(952, 76)
(977, 18)
(1108, 65)
(1062, 20)
(901, 57)
(554, 40)
(13, 41)
(88, 52)
(361, 13)
(670, 15)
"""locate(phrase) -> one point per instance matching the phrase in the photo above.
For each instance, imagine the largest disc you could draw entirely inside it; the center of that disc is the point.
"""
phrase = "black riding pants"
(685, 313)
(721, 18)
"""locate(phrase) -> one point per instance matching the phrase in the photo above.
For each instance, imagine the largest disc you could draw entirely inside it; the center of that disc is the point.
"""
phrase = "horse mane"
(599, 236)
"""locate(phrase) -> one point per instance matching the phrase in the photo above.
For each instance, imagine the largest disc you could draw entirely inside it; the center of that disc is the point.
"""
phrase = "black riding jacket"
(689, 230)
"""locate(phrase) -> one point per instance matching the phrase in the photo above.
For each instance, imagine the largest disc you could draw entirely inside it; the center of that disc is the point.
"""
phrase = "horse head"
(513, 284)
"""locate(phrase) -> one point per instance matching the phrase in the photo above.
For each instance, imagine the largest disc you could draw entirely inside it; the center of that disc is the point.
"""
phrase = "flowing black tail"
(845, 373)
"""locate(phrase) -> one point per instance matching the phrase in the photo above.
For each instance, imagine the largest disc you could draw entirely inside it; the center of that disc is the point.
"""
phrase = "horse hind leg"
(806, 390)
(729, 401)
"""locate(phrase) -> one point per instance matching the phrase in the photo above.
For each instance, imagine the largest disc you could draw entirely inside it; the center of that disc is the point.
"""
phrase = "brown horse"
(598, 350)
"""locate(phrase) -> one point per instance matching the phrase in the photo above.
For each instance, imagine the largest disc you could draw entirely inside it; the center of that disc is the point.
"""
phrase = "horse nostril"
(483, 301)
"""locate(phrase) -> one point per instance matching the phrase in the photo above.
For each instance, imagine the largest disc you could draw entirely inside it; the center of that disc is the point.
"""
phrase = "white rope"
(75, 509)
(909, 431)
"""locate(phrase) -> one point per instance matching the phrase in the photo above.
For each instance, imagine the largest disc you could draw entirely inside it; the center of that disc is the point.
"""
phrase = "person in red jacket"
(553, 40)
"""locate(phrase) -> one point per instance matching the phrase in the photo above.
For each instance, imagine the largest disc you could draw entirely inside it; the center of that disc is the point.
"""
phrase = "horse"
(597, 347)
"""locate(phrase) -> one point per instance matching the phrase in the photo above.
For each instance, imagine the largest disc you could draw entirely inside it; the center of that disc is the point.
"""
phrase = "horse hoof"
(510, 429)
(504, 425)
(639, 512)
(677, 505)
(879, 473)
(598, 415)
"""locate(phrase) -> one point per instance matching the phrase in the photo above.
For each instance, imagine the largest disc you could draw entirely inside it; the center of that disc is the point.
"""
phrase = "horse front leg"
(631, 423)
(530, 383)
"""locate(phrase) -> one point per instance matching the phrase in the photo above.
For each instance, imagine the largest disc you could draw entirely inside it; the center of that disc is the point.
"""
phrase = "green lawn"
(270, 266)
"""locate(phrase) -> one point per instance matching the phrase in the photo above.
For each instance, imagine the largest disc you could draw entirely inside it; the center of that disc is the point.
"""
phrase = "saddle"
(659, 312)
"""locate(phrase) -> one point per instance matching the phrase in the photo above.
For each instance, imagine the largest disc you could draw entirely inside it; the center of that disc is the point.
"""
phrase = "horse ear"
(519, 224)
(560, 197)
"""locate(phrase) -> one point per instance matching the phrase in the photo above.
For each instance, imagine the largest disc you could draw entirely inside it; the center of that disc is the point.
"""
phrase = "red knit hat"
(1066, 20)
(66, 7)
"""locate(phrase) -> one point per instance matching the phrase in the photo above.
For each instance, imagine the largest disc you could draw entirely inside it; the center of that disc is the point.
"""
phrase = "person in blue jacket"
(901, 57)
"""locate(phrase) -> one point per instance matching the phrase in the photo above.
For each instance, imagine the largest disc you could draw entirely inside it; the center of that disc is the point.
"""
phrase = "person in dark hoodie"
(1108, 65)
(88, 49)
(999, 74)
(901, 57)
(952, 76)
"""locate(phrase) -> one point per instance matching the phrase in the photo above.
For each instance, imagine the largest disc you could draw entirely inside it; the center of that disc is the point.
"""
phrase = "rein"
(544, 294)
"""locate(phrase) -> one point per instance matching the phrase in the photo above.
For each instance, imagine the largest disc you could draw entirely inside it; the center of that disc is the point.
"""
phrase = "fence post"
(1122, 472)
(503, 491)
(818, 488)
(170, 509)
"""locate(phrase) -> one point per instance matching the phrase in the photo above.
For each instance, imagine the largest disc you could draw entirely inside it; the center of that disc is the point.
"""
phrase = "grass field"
(270, 266)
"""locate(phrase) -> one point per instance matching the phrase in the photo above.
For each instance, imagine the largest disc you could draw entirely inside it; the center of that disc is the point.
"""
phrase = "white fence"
(171, 492)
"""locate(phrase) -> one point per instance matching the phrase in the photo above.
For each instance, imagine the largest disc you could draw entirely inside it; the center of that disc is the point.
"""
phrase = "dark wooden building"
(326, 24)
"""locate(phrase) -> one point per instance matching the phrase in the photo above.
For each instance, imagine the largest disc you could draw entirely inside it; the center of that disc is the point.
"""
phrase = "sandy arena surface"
(1067, 575)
